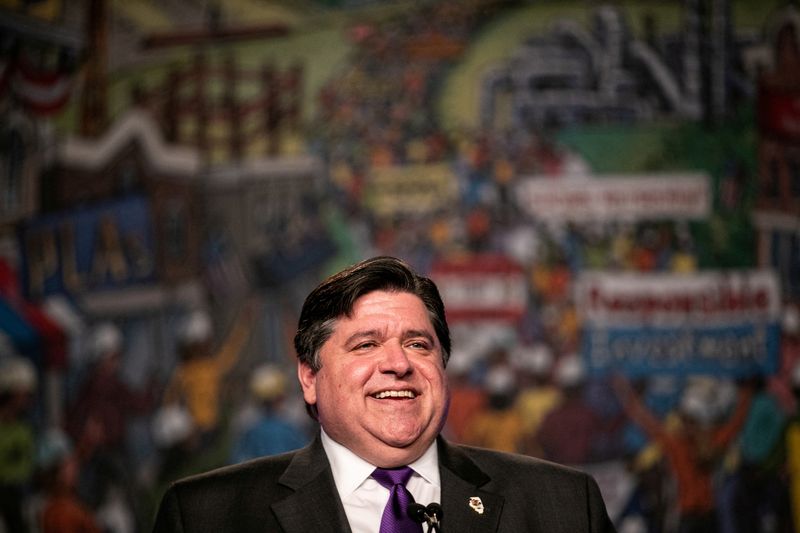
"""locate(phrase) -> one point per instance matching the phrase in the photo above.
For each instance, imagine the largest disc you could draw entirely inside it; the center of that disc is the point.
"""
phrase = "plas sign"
(716, 322)
(481, 287)
(106, 246)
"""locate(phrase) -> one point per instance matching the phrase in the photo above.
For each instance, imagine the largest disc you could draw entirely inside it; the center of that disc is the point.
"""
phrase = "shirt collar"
(350, 470)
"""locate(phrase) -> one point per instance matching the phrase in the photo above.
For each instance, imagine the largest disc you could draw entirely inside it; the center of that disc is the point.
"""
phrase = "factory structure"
(576, 74)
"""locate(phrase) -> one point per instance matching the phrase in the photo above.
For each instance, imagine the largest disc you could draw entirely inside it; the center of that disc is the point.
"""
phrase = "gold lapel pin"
(476, 504)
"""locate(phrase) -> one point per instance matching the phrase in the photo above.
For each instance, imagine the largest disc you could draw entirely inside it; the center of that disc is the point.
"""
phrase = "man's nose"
(395, 360)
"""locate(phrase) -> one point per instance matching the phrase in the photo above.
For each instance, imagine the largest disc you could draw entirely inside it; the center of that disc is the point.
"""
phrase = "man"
(372, 345)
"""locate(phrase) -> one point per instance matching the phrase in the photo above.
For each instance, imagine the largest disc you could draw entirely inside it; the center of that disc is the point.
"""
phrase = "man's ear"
(308, 382)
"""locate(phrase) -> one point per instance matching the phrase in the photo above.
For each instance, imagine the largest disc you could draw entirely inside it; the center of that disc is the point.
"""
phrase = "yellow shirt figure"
(197, 380)
(495, 429)
(534, 404)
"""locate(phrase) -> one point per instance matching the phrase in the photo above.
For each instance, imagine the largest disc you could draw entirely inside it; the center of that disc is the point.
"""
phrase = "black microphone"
(417, 512)
(431, 515)
(434, 514)
(434, 510)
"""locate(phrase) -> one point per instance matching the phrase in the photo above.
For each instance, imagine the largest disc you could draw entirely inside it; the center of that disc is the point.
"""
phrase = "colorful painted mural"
(607, 194)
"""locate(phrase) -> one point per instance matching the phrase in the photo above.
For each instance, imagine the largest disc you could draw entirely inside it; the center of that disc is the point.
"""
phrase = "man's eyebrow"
(368, 333)
(411, 333)
(375, 333)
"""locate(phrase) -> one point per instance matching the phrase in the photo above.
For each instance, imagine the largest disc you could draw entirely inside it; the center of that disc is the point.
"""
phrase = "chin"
(400, 441)
(393, 456)
(402, 435)
(410, 444)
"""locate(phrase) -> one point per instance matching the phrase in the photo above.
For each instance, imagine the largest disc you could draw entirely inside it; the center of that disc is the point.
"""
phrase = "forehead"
(390, 307)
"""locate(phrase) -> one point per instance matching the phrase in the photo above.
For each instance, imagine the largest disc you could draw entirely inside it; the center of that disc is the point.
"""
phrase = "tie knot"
(389, 477)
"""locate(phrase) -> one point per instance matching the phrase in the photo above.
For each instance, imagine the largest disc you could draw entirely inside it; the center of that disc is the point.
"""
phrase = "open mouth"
(402, 394)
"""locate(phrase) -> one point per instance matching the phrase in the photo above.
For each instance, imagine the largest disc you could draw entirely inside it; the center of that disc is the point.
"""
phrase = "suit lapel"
(314, 505)
(461, 481)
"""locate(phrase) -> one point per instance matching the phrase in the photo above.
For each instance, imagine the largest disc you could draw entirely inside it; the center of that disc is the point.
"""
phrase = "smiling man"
(372, 346)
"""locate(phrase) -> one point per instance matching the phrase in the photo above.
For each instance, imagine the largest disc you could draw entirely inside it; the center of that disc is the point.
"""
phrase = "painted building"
(777, 214)
(604, 73)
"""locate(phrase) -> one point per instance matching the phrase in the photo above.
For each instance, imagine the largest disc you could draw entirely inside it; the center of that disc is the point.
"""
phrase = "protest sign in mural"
(111, 245)
(725, 323)
(649, 197)
(411, 189)
(481, 287)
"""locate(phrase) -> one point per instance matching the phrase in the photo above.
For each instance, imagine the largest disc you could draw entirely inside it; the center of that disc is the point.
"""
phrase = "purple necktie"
(395, 516)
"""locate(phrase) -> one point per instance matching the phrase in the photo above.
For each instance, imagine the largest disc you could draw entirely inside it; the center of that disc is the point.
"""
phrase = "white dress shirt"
(364, 498)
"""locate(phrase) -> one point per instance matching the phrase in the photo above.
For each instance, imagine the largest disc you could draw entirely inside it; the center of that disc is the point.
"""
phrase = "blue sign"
(738, 350)
(105, 246)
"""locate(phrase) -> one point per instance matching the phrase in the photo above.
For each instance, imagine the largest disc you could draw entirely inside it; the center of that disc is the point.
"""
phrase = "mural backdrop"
(607, 194)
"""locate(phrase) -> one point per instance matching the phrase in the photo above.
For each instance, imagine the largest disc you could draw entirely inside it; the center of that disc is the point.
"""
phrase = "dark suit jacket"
(295, 493)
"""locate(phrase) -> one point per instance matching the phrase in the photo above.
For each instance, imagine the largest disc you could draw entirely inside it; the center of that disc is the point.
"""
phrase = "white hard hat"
(106, 339)
(17, 374)
(537, 359)
(500, 380)
(267, 382)
(195, 328)
(171, 424)
(698, 400)
(790, 321)
(463, 360)
(570, 371)
(724, 399)
(633, 524)
(697, 407)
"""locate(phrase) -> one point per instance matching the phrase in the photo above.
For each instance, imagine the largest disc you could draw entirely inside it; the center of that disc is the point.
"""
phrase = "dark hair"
(334, 298)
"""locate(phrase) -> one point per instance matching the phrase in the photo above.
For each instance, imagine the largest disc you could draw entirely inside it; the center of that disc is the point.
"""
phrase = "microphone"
(417, 512)
(431, 515)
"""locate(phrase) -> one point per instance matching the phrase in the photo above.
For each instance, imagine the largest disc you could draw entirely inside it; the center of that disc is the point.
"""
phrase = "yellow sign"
(411, 189)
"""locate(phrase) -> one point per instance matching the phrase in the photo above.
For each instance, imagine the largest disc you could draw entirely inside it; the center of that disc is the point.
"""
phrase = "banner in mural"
(632, 198)
(714, 322)
(103, 247)
(411, 189)
(481, 287)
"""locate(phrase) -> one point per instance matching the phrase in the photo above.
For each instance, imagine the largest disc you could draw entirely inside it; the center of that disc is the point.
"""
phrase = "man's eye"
(419, 345)
(365, 345)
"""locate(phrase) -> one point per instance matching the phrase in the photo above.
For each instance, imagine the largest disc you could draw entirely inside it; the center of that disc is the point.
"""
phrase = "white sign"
(668, 299)
(482, 287)
(628, 198)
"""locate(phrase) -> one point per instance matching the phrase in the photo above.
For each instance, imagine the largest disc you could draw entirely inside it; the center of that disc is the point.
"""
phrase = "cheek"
(346, 382)
(438, 380)
(433, 373)
(357, 373)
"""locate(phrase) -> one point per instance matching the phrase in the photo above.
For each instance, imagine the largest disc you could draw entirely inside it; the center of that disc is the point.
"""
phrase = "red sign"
(481, 287)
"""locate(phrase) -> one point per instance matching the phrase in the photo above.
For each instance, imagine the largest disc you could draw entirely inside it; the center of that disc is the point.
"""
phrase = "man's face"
(381, 390)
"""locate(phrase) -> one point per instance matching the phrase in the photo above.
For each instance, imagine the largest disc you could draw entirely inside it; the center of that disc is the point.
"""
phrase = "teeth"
(394, 394)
